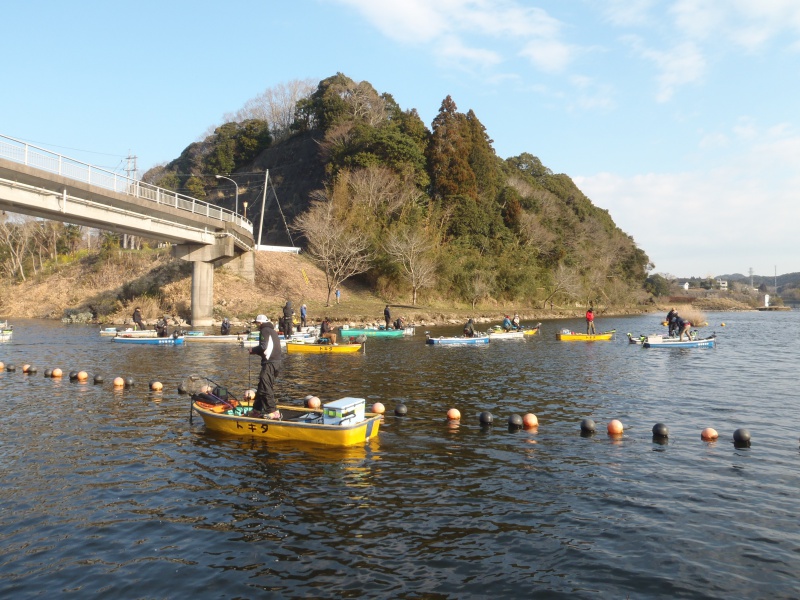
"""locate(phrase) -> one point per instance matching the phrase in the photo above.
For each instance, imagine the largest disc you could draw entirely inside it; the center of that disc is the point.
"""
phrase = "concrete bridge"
(35, 181)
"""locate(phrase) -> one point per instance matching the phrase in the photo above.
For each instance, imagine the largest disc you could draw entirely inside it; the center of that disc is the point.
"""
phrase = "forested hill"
(429, 210)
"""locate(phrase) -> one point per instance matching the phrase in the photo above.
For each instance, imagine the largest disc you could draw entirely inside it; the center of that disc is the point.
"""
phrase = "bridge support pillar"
(202, 293)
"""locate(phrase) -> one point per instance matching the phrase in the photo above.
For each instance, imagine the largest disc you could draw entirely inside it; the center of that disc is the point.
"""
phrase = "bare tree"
(481, 286)
(413, 249)
(339, 249)
(276, 105)
(16, 237)
(564, 280)
(382, 189)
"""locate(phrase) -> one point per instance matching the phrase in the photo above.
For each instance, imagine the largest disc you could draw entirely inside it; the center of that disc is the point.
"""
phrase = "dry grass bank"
(111, 286)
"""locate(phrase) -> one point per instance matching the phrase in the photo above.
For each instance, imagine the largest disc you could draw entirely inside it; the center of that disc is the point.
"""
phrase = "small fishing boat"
(128, 332)
(565, 335)
(340, 423)
(6, 331)
(531, 330)
(497, 333)
(479, 340)
(658, 341)
(351, 332)
(202, 337)
(172, 340)
(299, 347)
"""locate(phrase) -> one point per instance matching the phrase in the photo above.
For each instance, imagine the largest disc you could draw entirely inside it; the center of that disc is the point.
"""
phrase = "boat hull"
(458, 341)
(507, 335)
(314, 348)
(137, 333)
(164, 341)
(675, 343)
(383, 333)
(294, 430)
(573, 336)
(195, 337)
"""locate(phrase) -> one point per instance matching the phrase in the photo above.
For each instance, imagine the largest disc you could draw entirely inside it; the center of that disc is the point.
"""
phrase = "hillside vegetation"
(416, 214)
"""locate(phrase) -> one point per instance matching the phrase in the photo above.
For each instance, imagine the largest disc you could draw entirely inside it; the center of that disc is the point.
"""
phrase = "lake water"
(115, 494)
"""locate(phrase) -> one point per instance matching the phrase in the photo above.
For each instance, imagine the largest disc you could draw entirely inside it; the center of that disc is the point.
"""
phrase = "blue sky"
(681, 118)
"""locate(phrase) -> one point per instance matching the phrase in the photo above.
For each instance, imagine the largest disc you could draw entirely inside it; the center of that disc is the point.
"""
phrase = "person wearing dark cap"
(269, 349)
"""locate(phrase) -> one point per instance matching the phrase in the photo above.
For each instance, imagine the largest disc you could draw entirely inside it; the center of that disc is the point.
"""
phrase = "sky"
(681, 118)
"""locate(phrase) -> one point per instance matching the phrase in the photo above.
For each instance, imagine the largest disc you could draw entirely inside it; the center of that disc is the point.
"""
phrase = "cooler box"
(344, 411)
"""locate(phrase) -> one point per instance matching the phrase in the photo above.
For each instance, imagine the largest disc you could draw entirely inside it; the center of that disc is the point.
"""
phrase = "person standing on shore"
(590, 321)
(338, 295)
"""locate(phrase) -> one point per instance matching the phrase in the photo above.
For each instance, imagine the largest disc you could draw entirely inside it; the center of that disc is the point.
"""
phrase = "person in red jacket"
(590, 321)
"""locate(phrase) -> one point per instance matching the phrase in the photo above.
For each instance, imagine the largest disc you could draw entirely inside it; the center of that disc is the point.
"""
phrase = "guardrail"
(46, 160)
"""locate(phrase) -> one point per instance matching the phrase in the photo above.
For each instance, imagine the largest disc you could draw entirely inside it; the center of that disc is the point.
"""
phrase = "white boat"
(129, 333)
(497, 333)
(6, 331)
(208, 338)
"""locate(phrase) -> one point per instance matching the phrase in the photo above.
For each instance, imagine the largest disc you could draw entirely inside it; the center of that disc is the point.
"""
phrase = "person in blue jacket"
(507, 326)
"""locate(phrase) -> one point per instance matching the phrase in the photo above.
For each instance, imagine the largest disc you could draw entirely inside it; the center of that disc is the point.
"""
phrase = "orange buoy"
(708, 434)
(83, 376)
(119, 382)
(156, 386)
(378, 408)
(454, 414)
(25, 368)
(615, 427)
(530, 420)
(314, 402)
(2, 365)
(57, 372)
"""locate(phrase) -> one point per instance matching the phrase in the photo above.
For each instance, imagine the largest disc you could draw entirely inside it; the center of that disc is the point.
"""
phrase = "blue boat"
(664, 342)
(156, 341)
(481, 340)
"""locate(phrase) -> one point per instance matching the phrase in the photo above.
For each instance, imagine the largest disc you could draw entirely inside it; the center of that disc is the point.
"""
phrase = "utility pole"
(263, 205)
(130, 168)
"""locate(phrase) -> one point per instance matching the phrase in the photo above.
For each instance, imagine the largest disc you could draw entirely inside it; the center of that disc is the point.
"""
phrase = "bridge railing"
(46, 160)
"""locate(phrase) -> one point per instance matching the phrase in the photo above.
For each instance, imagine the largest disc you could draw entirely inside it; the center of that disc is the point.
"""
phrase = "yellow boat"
(565, 335)
(297, 425)
(315, 348)
(532, 330)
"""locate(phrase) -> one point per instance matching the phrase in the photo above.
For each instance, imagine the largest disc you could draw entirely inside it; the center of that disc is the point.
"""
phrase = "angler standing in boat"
(671, 316)
(387, 315)
(590, 321)
(162, 326)
(287, 319)
(137, 319)
(269, 349)
(469, 329)
(682, 326)
(303, 312)
(225, 328)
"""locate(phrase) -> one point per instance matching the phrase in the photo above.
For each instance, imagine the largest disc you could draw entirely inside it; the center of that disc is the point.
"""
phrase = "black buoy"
(514, 422)
(587, 426)
(73, 375)
(485, 418)
(98, 379)
(48, 372)
(32, 369)
(182, 388)
(128, 382)
(741, 438)
(11, 367)
(660, 430)
(401, 410)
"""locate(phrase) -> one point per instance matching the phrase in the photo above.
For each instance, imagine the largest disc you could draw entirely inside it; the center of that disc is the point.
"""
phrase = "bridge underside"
(204, 242)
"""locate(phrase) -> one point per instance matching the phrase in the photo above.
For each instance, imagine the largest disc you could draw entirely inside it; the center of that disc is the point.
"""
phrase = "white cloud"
(679, 66)
(448, 24)
(628, 12)
(721, 220)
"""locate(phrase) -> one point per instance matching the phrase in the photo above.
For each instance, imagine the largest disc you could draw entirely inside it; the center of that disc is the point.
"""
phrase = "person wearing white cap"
(269, 349)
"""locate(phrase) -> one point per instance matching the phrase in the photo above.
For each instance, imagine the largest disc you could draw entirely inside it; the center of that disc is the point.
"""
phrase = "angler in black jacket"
(269, 349)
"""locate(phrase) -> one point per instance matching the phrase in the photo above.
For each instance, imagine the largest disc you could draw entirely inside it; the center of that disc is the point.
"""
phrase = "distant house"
(686, 285)
(723, 284)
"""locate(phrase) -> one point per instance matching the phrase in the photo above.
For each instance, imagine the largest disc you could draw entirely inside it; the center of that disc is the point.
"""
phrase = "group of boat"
(481, 339)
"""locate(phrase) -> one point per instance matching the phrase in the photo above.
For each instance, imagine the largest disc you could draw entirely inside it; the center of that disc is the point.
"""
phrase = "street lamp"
(236, 211)
(245, 210)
